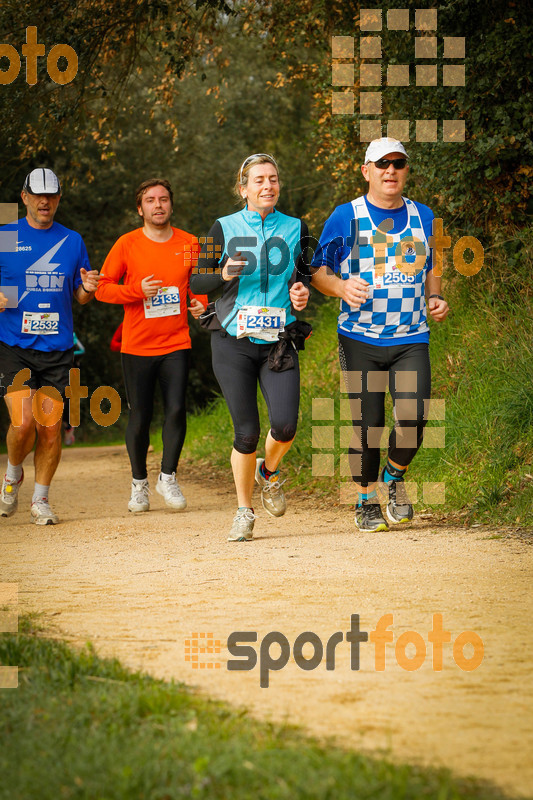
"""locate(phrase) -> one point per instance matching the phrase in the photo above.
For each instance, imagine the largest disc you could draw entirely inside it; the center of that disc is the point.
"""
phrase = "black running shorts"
(46, 368)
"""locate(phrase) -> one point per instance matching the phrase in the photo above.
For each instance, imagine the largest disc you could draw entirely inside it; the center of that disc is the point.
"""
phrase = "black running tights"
(368, 369)
(141, 374)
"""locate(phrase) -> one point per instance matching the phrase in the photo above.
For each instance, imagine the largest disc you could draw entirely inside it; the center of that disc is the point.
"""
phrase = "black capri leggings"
(238, 365)
(141, 373)
(367, 370)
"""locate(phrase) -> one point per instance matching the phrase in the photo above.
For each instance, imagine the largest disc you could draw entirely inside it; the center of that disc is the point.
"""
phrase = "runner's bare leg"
(243, 466)
(274, 451)
(21, 432)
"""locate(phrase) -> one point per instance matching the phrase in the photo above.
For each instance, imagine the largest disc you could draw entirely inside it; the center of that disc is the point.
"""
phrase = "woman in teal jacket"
(256, 258)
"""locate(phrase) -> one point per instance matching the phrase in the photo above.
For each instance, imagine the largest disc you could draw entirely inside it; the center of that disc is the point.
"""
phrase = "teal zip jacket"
(274, 250)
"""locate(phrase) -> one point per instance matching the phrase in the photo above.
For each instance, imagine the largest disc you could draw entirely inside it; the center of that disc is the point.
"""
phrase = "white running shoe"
(169, 488)
(272, 496)
(42, 514)
(9, 498)
(139, 500)
(242, 529)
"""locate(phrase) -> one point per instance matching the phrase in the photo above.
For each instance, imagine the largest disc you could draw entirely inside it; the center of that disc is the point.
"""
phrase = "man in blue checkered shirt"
(374, 254)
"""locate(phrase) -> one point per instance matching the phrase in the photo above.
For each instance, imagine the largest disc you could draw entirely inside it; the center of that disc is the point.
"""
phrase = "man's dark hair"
(148, 185)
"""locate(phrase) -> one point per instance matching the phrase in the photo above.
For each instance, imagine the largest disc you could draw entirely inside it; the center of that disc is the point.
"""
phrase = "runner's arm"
(198, 302)
(87, 288)
(207, 275)
(86, 281)
(332, 249)
(299, 289)
(437, 306)
(303, 263)
(353, 290)
(109, 290)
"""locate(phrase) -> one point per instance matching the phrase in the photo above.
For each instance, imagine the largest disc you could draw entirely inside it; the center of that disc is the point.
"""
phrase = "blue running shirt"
(46, 271)
(395, 312)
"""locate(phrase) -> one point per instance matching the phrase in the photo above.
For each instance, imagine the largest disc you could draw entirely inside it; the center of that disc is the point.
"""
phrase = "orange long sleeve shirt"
(134, 257)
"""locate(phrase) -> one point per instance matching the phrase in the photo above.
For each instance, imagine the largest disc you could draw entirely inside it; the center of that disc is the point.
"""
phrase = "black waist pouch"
(209, 320)
(281, 355)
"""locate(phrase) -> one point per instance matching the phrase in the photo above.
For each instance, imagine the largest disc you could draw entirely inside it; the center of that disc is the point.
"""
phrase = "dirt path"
(140, 586)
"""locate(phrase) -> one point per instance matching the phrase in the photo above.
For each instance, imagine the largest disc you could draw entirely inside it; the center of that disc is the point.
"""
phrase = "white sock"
(40, 492)
(166, 477)
(139, 481)
(13, 473)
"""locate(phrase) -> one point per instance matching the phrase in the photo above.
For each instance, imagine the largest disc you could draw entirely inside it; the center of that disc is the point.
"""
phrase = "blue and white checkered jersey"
(389, 249)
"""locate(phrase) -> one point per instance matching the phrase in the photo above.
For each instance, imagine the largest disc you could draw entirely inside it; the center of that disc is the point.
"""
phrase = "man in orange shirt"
(154, 263)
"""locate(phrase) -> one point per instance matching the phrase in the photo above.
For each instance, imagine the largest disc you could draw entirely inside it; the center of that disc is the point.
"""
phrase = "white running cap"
(42, 181)
(380, 147)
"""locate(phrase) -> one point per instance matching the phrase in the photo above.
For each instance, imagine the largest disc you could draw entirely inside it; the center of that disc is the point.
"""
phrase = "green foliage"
(41, 122)
(477, 185)
(82, 727)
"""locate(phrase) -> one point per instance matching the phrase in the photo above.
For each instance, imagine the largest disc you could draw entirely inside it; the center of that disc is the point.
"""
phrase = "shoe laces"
(244, 515)
(398, 493)
(140, 491)
(172, 487)
(42, 504)
(372, 510)
(273, 487)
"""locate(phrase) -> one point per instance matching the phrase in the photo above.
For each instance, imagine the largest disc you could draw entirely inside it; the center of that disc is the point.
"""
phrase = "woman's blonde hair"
(244, 171)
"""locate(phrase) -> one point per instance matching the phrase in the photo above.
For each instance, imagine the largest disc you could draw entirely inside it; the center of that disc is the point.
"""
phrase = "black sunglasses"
(397, 163)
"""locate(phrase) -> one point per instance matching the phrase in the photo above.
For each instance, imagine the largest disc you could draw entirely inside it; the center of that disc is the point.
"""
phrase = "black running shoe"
(368, 517)
(399, 508)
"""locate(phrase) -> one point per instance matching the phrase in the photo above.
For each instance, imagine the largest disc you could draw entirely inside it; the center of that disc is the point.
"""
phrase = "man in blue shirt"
(40, 275)
(374, 254)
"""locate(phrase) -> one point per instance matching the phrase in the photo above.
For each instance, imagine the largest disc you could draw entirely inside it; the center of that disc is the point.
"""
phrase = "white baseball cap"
(380, 147)
(42, 181)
